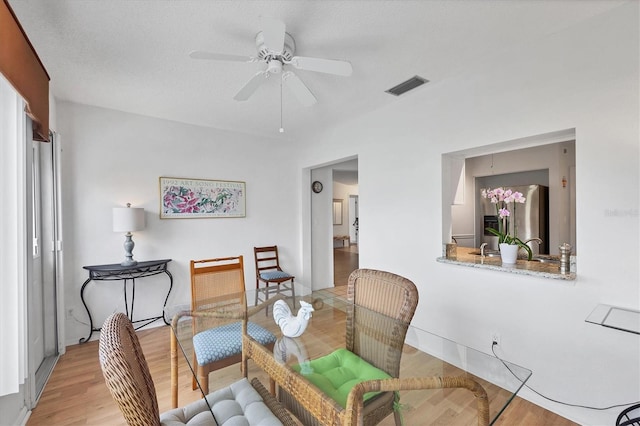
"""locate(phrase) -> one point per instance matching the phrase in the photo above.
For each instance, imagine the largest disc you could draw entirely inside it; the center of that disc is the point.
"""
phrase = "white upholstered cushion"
(236, 405)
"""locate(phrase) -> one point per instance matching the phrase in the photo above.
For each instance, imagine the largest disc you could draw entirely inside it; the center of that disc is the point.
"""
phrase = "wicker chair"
(377, 342)
(128, 378)
(269, 272)
(219, 283)
(630, 416)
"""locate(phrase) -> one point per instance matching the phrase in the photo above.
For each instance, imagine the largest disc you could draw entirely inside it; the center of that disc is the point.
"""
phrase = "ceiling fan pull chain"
(281, 128)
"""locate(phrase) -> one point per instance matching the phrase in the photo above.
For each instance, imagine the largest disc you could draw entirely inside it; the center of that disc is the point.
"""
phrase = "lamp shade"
(128, 219)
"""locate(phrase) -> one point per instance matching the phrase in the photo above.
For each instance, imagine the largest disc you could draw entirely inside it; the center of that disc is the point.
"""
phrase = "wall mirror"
(337, 212)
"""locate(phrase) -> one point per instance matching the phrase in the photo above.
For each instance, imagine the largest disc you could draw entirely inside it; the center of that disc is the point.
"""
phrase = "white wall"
(112, 158)
(584, 78)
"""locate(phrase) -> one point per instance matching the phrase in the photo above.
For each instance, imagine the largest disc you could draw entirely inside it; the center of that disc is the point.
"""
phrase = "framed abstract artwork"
(183, 198)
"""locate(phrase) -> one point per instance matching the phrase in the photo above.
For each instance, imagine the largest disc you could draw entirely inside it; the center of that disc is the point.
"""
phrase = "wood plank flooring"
(345, 261)
(77, 395)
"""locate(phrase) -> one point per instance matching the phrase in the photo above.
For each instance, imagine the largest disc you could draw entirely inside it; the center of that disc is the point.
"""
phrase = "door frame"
(49, 256)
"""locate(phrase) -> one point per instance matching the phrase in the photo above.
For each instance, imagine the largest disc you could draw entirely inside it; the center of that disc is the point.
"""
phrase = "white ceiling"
(133, 55)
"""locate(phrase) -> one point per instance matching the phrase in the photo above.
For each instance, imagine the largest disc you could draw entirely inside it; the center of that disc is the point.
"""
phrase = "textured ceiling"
(133, 55)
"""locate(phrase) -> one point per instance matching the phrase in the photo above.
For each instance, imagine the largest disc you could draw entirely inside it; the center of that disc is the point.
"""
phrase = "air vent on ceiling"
(405, 86)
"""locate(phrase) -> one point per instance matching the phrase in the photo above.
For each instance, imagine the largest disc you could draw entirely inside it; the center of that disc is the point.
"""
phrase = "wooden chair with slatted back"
(269, 272)
(219, 284)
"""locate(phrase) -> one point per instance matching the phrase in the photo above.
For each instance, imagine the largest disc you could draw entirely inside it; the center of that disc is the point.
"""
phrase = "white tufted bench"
(236, 405)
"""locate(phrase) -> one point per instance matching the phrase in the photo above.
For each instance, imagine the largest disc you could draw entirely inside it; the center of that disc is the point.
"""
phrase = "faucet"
(482, 246)
(536, 240)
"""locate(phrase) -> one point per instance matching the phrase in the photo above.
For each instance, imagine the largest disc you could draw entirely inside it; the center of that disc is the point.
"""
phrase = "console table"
(117, 272)
(343, 239)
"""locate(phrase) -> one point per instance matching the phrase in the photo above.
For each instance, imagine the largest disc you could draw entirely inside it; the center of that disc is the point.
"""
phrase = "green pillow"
(335, 374)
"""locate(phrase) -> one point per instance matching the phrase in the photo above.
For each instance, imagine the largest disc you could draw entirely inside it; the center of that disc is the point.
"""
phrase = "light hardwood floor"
(345, 261)
(77, 395)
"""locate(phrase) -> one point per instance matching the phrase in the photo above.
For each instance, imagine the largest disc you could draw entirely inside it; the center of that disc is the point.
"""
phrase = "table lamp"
(128, 219)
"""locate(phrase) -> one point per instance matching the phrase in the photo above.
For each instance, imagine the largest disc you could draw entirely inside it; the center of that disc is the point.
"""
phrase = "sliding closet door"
(42, 293)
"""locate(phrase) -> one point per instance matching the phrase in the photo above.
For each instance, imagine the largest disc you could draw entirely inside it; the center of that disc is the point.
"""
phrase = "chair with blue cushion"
(274, 279)
(219, 284)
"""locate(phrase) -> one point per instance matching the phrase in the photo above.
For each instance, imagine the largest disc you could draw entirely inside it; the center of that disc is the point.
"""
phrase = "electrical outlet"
(495, 338)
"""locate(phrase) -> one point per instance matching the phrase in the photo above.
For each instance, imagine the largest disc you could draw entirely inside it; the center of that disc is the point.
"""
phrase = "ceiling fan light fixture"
(274, 66)
(405, 86)
(264, 51)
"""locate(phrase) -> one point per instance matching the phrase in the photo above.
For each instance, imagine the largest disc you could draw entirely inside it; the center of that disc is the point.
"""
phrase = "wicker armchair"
(128, 378)
(377, 342)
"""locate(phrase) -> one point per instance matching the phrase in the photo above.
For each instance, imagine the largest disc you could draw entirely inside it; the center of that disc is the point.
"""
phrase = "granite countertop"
(464, 257)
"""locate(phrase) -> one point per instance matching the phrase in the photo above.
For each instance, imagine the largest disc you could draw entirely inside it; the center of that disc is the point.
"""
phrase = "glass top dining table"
(443, 382)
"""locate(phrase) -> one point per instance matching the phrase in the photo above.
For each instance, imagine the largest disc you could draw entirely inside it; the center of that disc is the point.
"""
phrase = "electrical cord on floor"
(493, 346)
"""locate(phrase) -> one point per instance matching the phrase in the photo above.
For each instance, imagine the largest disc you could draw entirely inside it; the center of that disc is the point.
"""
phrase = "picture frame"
(337, 211)
(190, 198)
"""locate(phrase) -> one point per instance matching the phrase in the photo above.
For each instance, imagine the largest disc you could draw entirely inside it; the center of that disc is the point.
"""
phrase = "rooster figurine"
(292, 326)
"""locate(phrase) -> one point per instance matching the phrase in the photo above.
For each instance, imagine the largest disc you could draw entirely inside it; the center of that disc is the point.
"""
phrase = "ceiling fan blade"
(273, 33)
(251, 86)
(329, 66)
(298, 88)
(199, 54)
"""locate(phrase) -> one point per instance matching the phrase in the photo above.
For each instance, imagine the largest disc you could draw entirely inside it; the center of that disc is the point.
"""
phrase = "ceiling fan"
(275, 49)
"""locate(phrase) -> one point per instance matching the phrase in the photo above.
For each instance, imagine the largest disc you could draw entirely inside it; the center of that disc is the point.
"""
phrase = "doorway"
(345, 230)
(320, 235)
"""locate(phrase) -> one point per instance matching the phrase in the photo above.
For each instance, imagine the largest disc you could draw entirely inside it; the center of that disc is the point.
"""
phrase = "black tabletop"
(116, 267)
